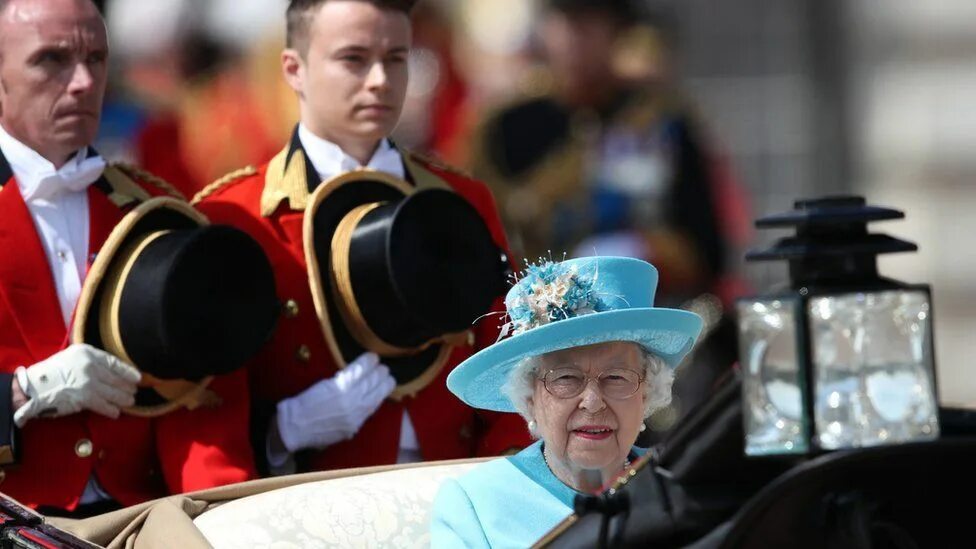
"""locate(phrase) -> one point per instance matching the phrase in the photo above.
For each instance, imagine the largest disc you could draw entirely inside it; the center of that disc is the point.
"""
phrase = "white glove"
(78, 378)
(334, 409)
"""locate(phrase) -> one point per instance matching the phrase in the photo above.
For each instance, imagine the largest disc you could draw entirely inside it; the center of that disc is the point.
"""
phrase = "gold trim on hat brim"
(322, 192)
(108, 308)
(345, 297)
(100, 269)
(179, 393)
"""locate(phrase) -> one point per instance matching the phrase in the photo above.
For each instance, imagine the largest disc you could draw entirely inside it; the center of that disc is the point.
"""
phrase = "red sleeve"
(479, 196)
(208, 447)
(484, 202)
(503, 432)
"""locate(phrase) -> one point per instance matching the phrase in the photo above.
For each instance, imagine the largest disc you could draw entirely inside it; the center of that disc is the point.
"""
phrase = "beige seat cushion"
(386, 509)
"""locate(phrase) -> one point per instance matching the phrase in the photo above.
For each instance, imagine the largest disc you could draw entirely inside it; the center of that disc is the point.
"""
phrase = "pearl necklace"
(545, 460)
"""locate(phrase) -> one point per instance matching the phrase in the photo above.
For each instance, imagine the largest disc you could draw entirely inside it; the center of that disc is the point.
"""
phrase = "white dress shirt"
(57, 200)
(58, 204)
(329, 161)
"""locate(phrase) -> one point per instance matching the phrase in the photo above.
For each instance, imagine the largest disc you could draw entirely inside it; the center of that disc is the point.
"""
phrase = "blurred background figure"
(605, 156)
(197, 86)
(602, 155)
(435, 110)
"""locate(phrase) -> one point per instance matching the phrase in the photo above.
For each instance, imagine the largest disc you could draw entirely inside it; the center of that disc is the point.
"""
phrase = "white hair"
(658, 378)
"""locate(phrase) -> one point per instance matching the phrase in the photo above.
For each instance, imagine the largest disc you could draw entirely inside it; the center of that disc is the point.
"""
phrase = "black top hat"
(399, 272)
(179, 299)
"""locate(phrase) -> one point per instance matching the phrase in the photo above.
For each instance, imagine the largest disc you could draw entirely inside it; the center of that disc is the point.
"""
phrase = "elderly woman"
(589, 359)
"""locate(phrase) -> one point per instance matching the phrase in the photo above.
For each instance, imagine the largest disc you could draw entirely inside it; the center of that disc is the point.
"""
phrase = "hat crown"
(549, 292)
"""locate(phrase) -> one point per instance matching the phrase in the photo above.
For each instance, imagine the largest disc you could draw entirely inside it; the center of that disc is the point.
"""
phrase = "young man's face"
(52, 74)
(353, 79)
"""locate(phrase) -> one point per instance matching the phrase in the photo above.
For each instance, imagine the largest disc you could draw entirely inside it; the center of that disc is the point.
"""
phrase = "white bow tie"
(73, 177)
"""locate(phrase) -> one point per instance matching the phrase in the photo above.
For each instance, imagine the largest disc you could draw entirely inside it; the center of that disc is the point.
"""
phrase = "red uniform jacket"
(134, 459)
(297, 355)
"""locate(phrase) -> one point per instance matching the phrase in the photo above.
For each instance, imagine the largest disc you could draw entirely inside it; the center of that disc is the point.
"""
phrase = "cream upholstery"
(385, 509)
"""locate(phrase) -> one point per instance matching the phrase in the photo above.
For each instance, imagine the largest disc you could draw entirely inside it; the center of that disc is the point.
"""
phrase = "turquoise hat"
(572, 303)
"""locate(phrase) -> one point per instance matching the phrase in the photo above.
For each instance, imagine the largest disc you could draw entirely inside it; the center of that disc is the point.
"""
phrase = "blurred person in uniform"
(239, 112)
(205, 75)
(435, 114)
(159, 50)
(346, 61)
(606, 157)
(64, 447)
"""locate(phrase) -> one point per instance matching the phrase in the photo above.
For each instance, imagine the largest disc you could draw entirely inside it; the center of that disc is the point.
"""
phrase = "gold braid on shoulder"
(437, 163)
(154, 180)
(223, 181)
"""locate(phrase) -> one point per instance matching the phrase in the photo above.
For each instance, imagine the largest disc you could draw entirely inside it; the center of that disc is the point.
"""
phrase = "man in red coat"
(64, 444)
(347, 62)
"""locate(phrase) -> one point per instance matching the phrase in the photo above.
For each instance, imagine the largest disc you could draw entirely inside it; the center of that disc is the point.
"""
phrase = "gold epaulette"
(146, 177)
(436, 164)
(222, 182)
(124, 191)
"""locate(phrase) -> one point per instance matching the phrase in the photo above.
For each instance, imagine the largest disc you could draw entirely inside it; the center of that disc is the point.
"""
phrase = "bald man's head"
(17, 12)
(53, 70)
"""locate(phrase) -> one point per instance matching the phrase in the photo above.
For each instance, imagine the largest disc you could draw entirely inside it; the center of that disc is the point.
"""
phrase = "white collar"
(37, 177)
(329, 160)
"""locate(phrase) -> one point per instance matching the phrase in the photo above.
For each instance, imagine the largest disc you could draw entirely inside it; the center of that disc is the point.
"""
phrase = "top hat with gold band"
(179, 299)
(400, 272)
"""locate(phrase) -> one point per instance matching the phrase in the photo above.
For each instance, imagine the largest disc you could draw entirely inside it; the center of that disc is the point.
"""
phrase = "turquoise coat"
(510, 502)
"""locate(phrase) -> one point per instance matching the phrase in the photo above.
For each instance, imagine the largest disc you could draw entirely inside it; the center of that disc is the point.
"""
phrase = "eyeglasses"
(618, 383)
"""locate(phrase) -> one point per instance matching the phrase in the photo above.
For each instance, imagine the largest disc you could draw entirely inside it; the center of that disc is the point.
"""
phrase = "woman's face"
(590, 431)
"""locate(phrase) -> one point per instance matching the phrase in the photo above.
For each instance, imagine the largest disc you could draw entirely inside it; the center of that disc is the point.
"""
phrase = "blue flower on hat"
(551, 291)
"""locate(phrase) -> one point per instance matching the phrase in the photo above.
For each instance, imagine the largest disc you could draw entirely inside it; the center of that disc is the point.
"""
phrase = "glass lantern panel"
(873, 371)
(772, 382)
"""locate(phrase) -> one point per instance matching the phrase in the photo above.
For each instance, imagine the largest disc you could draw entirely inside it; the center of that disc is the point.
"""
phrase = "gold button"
(303, 353)
(83, 448)
(3, 475)
(291, 308)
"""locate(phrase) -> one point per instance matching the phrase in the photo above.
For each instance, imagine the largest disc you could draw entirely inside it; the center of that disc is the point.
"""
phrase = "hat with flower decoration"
(573, 303)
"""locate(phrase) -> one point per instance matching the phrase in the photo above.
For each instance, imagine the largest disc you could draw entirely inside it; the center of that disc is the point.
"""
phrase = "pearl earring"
(532, 425)
(643, 427)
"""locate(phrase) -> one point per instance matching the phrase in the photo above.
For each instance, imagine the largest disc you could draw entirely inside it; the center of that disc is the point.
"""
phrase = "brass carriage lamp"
(842, 358)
